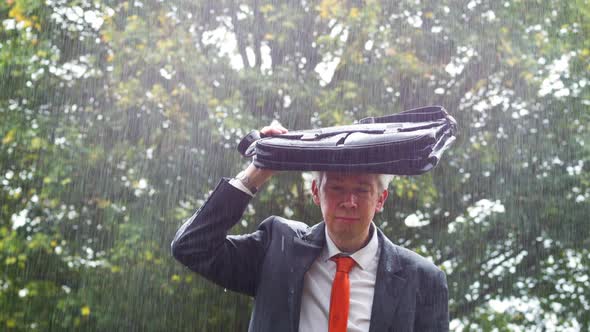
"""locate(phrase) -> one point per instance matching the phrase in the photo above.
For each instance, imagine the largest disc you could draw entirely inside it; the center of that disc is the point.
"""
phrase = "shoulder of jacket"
(409, 258)
(275, 223)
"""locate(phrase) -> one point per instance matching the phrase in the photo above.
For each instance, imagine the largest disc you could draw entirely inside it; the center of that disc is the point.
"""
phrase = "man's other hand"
(258, 176)
(275, 128)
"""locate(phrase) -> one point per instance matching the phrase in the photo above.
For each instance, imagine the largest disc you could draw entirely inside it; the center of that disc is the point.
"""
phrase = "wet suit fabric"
(410, 292)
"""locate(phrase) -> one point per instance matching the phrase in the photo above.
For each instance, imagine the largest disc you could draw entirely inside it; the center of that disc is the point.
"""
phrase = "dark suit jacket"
(410, 292)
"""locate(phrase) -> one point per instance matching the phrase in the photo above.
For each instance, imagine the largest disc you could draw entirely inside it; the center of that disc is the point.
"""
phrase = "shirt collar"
(362, 257)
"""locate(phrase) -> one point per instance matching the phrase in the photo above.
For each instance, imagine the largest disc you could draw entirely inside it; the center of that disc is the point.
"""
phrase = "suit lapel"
(388, 286)
(389, 283)
(305, 251)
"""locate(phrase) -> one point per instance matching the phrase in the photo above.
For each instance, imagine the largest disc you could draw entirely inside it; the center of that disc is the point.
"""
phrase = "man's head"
(349, 202)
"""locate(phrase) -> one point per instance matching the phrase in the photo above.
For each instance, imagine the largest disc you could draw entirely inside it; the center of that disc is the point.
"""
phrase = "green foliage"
(117, 118)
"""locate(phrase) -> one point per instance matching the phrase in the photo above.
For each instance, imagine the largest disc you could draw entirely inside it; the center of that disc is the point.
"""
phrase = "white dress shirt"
(239, 185)
(317, 285)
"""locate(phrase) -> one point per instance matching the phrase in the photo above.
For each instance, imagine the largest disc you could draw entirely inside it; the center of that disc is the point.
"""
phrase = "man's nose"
(350, 200)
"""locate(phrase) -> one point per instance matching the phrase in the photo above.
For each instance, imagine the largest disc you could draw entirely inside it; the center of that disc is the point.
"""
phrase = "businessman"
(342, 274)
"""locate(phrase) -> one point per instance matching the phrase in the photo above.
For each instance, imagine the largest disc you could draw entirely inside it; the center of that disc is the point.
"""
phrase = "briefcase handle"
(247, 145)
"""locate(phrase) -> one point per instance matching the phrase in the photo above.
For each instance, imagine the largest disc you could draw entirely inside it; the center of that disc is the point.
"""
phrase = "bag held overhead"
(408, 143)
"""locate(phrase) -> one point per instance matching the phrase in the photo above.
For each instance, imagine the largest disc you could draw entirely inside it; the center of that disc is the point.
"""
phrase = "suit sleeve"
(202, 243)
(433, 307)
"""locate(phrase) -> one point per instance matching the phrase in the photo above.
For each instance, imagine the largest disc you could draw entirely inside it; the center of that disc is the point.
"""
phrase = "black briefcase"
(407, 143)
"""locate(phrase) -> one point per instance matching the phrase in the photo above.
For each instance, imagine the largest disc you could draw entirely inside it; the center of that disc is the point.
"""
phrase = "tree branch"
(258, 28)
(240, 37)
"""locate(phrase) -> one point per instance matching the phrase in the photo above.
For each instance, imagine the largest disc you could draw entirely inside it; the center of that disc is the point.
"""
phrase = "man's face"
(349, 203)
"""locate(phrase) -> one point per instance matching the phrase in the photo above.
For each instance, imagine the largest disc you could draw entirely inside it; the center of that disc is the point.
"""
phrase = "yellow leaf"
(175, 278)
(428, 15)
(267, 8)
(103, 203)
(16, 12)
(10, 323)
(10, 260)
(9, 136)
(328, 8)
(213, 102)
(528, 76)
(85, 310)
(36, 143)
(106, 37)
(354, 12)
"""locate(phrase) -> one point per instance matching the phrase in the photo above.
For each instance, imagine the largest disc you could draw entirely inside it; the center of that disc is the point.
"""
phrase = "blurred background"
(117, 118)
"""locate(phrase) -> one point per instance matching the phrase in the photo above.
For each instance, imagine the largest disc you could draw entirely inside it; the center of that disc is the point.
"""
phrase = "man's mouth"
(347, 219)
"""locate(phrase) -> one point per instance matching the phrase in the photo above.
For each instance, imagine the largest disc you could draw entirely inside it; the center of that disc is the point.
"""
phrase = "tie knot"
(343, 263)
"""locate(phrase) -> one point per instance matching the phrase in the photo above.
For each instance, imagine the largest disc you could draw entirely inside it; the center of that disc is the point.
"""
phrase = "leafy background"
(118, 117)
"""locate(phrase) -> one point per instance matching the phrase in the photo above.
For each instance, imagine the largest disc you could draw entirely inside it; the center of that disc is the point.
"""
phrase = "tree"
(134, 109)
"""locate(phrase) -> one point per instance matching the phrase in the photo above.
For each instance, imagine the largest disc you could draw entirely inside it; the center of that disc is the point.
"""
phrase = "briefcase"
(407, 143)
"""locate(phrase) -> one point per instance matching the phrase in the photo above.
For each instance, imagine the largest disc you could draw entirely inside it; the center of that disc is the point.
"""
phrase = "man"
(341, 274)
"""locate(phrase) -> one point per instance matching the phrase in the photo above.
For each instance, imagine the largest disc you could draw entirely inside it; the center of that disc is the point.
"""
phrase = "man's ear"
(315, 192)
(381, 200)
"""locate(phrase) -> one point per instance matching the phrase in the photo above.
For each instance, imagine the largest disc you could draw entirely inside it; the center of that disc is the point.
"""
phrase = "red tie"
(340, 299)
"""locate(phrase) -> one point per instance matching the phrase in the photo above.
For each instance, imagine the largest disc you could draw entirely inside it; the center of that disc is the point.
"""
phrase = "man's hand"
(275, 128)
(258, 176)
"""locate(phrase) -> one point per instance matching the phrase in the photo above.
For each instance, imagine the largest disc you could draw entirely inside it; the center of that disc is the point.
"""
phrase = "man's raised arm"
(202, 243)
